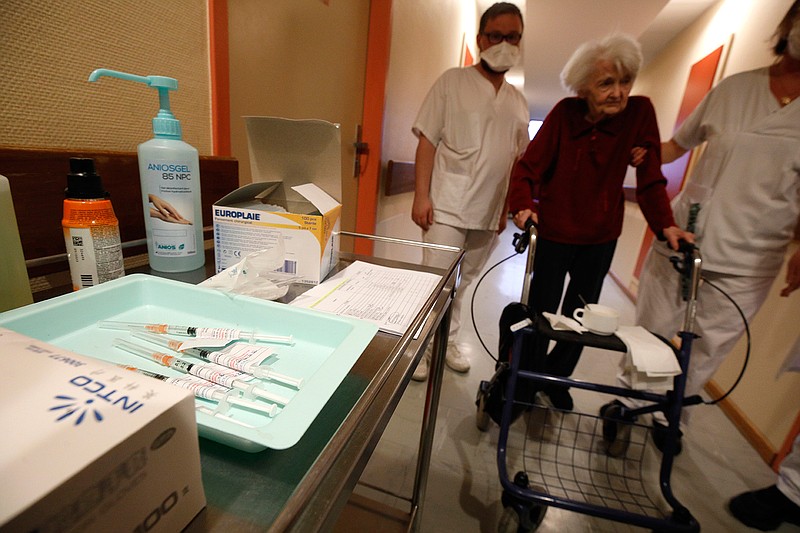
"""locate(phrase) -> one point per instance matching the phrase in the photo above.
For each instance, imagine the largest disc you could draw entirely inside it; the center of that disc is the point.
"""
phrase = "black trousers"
(587, 266)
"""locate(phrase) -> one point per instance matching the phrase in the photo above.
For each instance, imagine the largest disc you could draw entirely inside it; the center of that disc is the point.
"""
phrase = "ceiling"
(555, 28)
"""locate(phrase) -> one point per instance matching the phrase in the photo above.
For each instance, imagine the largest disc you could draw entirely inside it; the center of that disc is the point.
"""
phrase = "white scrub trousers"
(789, 473)
(478, 244)
(661, 309)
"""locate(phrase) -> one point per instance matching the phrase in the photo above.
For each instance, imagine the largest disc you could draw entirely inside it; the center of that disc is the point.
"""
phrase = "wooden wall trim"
(38, 177)
(745, 426)
(399, 177)
(378, 45)
(788, 444)
(220, 77)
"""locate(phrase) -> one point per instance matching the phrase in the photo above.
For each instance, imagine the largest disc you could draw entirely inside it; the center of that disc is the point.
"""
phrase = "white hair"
(620, 49)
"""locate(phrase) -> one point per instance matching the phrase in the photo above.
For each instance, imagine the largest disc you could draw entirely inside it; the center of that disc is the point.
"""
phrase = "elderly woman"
(570, 182)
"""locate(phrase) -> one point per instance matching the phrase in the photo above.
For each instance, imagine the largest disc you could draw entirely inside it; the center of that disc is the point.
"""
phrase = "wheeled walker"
(586, 463)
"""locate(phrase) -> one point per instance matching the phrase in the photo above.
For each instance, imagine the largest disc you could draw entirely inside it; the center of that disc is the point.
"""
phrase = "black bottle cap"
(82, 181)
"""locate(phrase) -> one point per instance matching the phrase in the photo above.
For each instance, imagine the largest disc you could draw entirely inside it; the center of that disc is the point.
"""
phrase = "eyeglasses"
(495, 37)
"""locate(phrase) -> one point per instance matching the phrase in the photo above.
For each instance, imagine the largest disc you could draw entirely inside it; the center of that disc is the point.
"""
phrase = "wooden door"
(297, 59)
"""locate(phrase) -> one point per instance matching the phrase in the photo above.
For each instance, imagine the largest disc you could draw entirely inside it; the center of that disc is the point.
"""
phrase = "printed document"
(389, 297)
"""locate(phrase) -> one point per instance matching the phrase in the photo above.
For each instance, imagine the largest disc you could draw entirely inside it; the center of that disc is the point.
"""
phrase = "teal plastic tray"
(325, 348)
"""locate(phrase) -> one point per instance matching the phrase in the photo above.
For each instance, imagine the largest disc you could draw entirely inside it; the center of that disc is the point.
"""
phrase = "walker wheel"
(616, 429)
(520, 516)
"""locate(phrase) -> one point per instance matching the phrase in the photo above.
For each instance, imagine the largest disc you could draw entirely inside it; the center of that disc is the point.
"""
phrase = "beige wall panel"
(50, 48)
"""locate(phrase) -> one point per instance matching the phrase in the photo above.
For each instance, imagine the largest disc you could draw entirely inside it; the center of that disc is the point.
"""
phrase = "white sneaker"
(421, 372)
(455, 359)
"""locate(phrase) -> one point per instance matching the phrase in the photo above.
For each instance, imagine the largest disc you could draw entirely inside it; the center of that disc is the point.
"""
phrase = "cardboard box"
(293, 202)
(244, 222)
(92, 447)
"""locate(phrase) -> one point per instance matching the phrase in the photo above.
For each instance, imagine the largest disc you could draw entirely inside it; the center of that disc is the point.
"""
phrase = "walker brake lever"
(682, 265)
(520, 243)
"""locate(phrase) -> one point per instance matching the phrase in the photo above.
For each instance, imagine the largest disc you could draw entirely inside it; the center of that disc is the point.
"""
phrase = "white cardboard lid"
(317, 196)
(296, 152)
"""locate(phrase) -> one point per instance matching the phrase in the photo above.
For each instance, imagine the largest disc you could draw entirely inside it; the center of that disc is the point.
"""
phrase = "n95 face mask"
(501, 57)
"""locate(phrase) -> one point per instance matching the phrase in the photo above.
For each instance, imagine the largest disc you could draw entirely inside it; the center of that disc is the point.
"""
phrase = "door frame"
(378, 48)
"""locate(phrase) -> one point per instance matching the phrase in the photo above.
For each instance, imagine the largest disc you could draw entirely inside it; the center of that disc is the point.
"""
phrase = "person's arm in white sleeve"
(422, 209)
(670, 151)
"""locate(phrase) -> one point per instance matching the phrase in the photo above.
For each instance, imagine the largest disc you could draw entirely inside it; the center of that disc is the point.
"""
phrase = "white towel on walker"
(649, 362)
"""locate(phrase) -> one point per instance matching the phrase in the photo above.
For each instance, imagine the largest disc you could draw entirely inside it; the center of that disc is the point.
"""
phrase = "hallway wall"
(427, 39)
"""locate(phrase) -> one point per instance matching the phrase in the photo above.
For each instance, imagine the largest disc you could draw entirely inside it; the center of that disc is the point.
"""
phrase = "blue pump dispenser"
(169, 170)
(165, 125)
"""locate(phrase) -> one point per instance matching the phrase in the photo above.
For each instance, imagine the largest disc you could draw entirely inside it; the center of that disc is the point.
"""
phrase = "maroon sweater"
(572, 173)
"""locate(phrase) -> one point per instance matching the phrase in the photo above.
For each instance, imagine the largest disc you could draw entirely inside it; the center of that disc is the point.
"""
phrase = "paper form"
(388, 297)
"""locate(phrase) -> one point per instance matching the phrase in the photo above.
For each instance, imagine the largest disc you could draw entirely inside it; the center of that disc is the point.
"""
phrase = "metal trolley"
(586, 463)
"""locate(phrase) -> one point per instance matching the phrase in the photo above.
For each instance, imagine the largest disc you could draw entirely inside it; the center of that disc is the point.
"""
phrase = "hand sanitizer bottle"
(169, 170)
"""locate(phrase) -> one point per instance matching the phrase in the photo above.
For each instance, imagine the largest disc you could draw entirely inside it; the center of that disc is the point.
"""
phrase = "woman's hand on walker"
(520, 217)
(674, 235)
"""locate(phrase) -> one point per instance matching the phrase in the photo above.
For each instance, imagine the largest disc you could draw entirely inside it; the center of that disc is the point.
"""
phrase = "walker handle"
(521, 240)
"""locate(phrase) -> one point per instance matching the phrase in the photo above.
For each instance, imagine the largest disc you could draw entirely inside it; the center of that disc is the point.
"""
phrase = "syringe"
(217, 414)
(194, 331)
(204, 371)
(205, 389)
(263, 372)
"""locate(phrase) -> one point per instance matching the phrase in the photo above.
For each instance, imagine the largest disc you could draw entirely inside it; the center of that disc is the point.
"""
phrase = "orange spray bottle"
(91, 230)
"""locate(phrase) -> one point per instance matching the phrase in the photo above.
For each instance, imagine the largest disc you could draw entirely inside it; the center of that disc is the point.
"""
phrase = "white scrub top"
(747, 181)
(478, 133)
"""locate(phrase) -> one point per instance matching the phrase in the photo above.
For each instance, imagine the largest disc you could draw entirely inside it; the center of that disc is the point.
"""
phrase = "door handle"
(362, 148)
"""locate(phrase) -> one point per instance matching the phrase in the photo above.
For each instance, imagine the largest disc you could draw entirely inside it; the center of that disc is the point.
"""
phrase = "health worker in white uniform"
(742, 203)
(472, 127)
